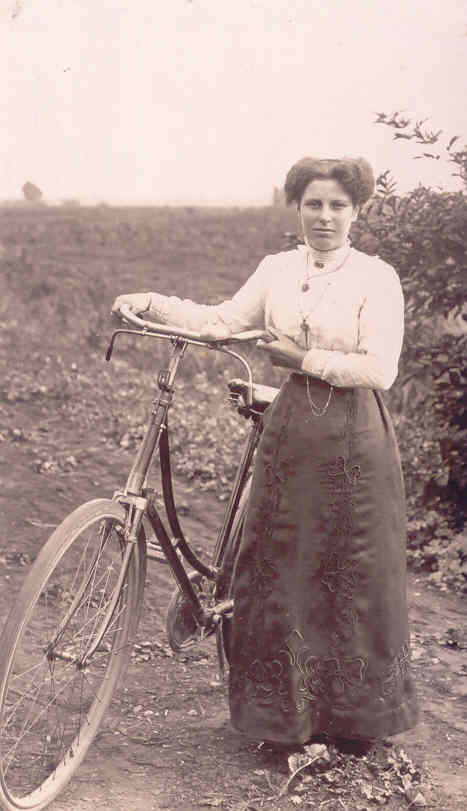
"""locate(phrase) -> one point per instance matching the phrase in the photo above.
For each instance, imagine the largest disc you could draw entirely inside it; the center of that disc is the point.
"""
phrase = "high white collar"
(325, 260)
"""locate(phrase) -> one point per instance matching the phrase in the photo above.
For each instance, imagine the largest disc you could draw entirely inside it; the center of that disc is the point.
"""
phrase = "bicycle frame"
(71, 632)
(140, 500)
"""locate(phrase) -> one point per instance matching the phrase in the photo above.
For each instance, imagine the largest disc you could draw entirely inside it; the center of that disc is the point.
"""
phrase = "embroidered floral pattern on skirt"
(320, 639)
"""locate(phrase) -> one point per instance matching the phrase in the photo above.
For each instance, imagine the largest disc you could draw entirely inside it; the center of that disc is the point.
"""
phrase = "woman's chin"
(323, 243)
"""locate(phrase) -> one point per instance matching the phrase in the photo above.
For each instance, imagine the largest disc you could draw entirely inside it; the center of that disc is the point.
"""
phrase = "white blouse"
(348, 315)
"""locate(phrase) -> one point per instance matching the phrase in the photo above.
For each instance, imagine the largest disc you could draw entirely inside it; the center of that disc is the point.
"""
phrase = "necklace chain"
(314, 407)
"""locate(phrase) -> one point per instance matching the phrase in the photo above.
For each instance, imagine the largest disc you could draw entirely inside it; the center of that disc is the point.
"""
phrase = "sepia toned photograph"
(233, 554)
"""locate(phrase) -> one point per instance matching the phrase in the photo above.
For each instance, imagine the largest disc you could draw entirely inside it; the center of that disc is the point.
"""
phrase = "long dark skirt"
(320, 640)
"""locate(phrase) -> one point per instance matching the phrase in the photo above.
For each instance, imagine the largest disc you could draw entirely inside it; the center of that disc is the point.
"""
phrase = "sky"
(209, 102)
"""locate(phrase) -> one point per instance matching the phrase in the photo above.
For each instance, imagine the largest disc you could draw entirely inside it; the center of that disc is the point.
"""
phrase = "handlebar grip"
(125, 314)
(153, 326)
(180, 332)
(129, 315)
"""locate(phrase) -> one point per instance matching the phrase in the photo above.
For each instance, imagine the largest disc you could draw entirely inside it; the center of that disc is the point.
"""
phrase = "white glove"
(136, 302)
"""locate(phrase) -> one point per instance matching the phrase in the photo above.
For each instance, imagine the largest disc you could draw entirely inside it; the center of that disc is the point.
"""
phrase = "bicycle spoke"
(68, 652)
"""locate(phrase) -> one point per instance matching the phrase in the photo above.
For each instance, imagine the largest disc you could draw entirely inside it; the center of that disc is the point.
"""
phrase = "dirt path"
(167, 742)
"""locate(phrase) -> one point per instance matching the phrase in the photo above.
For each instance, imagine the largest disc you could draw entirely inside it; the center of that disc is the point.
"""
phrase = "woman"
(320, 641)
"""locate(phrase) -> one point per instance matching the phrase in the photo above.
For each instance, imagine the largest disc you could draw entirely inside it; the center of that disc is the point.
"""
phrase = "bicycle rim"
(65, 644)
(227, 568)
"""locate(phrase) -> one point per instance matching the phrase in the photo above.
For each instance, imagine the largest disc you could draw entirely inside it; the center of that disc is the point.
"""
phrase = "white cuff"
(313, 363)
(349, 369)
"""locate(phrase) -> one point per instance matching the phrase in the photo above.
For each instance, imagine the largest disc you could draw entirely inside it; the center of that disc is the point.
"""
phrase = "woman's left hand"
(282, 350)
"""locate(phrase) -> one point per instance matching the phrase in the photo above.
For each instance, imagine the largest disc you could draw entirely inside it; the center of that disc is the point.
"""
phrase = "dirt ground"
(167, 742)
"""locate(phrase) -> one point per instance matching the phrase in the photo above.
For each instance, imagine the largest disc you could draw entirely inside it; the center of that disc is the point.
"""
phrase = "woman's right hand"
(136, 302)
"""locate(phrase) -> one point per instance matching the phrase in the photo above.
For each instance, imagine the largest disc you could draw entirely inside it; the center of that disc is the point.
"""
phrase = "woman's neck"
(327, 257)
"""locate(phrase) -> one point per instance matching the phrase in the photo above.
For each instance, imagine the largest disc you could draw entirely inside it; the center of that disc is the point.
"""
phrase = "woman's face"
(326, 213)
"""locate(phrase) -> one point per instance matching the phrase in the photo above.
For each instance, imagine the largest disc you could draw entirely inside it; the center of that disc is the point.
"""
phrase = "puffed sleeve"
(380, 334)
(245, 310)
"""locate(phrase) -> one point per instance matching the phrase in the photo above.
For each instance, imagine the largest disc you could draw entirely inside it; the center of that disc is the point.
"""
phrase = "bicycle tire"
(227, 568)
(52, 700)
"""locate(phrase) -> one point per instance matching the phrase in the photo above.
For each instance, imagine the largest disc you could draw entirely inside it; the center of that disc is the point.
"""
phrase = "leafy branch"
(418, 132)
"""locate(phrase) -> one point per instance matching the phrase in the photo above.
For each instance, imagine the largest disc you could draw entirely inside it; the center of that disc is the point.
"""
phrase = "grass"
(60, 271)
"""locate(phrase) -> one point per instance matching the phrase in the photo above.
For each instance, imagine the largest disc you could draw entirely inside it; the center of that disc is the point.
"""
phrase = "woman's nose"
(325, 215)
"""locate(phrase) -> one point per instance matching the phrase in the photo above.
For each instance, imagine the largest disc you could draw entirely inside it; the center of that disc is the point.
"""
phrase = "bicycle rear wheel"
(66, 641)
(227, 567)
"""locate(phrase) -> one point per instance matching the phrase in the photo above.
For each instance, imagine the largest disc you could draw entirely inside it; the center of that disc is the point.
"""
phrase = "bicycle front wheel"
(65, 644)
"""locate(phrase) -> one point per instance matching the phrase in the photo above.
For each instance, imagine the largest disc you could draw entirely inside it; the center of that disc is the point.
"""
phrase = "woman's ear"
(356, 213)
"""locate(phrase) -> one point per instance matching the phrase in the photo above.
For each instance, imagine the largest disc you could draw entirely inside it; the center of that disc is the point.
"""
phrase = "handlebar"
(171, 332)
(179, 332)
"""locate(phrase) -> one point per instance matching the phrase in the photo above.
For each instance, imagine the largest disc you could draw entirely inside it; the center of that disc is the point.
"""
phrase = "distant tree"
(32, 193)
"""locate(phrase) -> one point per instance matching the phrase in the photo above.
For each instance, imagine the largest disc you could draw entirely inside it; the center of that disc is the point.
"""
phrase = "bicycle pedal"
(154, 551)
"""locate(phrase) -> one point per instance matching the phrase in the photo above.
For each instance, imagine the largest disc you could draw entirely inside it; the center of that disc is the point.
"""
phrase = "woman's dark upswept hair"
(355, 175)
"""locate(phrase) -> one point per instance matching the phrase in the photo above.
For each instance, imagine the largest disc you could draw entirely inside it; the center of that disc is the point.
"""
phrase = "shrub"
(424, 235)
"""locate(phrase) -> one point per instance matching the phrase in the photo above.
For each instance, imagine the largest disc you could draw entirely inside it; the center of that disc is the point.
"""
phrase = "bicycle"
(70, 633)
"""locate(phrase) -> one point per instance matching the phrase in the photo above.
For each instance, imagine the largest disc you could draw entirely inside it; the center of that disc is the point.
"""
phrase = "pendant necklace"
(321, 266)
(315, 409)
